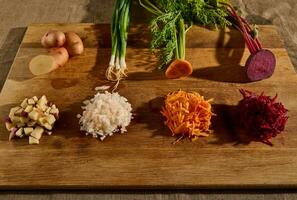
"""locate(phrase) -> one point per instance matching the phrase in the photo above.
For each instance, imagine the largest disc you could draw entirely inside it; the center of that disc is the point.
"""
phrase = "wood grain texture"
(26, 12)
(145, 157)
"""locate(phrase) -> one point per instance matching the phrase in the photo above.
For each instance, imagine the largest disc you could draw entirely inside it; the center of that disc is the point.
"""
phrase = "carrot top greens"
(173, 18)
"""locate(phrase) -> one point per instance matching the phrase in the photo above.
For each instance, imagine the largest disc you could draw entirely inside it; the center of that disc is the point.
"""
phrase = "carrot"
(187, 114)
(179, 68)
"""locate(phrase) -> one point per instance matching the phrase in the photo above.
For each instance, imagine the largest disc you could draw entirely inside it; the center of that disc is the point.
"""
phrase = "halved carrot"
(179, 68)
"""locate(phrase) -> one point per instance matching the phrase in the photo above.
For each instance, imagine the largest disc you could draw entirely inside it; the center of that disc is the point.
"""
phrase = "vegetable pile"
(171, 20)
(33, 117)
(105, 114)
(187, 114)
(60, 47)
(262, 116)
(119, 35)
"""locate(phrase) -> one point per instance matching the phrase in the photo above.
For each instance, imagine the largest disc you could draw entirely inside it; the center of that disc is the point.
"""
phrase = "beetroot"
(260, 65)
(262, 116)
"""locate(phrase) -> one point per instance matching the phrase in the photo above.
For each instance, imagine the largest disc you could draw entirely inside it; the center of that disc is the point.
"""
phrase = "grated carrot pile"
(187, 114)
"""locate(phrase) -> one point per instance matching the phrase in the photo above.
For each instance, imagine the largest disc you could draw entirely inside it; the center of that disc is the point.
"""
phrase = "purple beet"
(260, 65)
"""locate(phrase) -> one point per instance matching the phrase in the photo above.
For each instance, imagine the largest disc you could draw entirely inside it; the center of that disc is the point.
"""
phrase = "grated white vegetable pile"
(105, 114)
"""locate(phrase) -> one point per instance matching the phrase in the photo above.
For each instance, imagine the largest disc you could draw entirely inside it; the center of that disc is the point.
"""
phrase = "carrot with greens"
(119, 35)
(170, 23)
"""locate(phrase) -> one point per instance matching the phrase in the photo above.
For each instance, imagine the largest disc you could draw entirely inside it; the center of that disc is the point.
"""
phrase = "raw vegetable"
(53, 38)
(187, 114)
(119, 35)
(261, 63)
(74, 44)
(32, 118)
(172, 19)
(42, 64)
(179, 68)
(262, 116)
(105, 114)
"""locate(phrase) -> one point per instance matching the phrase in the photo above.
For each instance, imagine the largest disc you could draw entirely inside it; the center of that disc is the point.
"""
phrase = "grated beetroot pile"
(262, 116)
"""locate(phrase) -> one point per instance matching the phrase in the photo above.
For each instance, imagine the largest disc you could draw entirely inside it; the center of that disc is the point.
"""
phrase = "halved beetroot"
(260, 65)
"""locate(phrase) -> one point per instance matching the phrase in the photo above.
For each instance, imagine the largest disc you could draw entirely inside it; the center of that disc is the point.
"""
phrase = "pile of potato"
(32, 118)
(60, 47)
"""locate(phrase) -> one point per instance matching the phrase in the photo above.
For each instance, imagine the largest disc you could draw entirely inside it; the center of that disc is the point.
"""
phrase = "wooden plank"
(145, 157)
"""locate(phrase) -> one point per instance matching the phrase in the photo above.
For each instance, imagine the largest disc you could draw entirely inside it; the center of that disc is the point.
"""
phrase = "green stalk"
(123, 27)
(119, 34)
(181, 40)
(150, 7)
(114, 25)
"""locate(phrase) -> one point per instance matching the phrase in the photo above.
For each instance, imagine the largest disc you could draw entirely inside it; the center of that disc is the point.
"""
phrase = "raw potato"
(74, 44)
(28, 130)
(53, 39)
(33, 140)
(37, 133)
(44, 64)
(32, 119)
(60, 55)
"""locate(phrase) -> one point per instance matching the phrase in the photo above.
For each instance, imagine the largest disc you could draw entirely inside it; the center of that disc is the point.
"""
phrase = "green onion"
(119, 35)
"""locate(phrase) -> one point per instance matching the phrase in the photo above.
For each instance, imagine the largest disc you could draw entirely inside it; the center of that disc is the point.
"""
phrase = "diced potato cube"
(54, 111)
(29, 108)
(48, 126)
(54, 106)
(24, 103)
(19, 132)
(11, 135)
(9, 126)
(33, 140)
(42, 101)
(19, 112)
(37, 133)
(28, 130)
(24, 120)
(12, 111)
(35, 98)
(48, 110)
(34, 115)
(50, 119)
(31, 101)
(31, 123)
(19, 125)
(42, 121)
(15, 119)
(42, 107)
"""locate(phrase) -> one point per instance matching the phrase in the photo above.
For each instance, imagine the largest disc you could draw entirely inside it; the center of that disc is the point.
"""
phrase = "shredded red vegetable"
(262, 116)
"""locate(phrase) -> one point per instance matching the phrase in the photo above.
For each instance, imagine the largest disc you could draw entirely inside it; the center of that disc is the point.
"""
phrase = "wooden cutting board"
(145, 157)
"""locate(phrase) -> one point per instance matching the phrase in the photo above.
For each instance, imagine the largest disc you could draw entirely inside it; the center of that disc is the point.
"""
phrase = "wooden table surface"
(15, 15)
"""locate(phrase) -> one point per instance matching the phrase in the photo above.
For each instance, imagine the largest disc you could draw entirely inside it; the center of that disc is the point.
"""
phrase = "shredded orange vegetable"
(187, 114)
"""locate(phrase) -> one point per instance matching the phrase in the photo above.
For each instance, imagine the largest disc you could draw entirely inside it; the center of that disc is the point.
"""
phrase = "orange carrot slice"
(179, 68)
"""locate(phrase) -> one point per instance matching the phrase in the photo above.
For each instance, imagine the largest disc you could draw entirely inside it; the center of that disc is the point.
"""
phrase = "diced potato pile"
(32, 118)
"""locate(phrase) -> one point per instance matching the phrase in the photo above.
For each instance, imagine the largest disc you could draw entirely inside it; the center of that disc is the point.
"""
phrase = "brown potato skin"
(53, 38)
(74, 44)
(60, 55)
